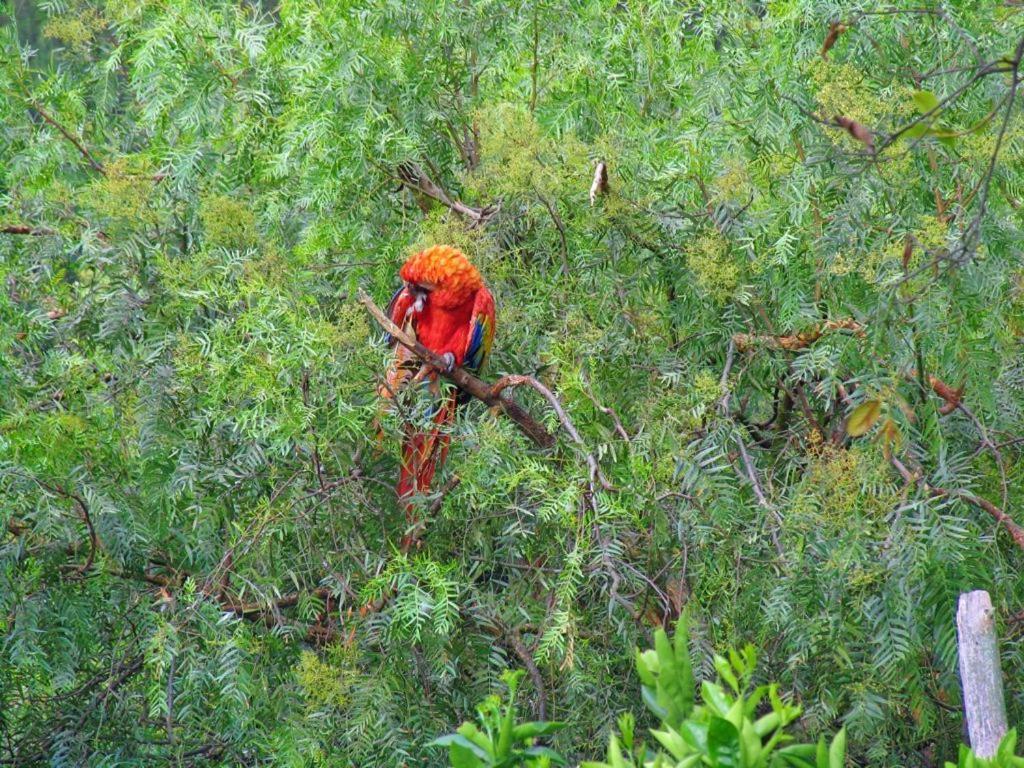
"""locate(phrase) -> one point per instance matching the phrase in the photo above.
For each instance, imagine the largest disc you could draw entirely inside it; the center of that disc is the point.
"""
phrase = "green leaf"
(925, 101)
(750, 744)
(673, 742)
(461, 757)
(615, 758)
(532, 730)
(723, 742)
(821, 756)
(695, 734)
(837, 752)
(461, 742)
(547, 752)
(471, 732)
(504, 745)
(863, 418)
(650, 698)
(917, 130)
(724, 670)
(715, 698)
(1007, 746)
(768, 723)
(647, 666)
(674, 680)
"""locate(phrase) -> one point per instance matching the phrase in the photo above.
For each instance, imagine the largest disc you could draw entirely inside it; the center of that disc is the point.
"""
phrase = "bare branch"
(796, 341)
(518, 380)
(413, 176)
(911, 478)
(25, 229)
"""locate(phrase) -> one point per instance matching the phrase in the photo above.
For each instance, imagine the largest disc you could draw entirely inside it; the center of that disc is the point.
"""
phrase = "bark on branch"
(518, 380)
(25, 229)
(250, 610)
(464, 380)
(795, 341)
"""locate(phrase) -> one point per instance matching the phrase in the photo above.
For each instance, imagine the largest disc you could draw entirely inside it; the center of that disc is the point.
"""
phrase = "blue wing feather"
(475, 350)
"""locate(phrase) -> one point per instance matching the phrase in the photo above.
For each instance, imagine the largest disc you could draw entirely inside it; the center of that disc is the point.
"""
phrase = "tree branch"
(25, 229)
(1015, 531)
(518, 380)
(96, 166)
(796, 341)
(413, 176)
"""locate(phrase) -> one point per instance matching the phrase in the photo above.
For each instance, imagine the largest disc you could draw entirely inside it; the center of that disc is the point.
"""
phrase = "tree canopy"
(765, 256)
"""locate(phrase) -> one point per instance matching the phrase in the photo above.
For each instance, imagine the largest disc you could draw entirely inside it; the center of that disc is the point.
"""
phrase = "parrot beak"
(420, 293)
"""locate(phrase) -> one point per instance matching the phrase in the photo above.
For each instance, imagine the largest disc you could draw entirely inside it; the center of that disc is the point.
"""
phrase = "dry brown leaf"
(835, 29)
(859, 131)
(951, 396)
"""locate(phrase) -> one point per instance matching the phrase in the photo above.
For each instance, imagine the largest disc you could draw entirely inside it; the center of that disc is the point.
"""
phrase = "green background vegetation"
(196, 499)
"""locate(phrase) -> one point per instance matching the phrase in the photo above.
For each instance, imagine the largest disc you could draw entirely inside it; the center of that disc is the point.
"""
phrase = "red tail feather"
(422, 454)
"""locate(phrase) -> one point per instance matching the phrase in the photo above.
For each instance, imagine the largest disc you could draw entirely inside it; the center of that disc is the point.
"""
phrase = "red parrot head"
(441, 275)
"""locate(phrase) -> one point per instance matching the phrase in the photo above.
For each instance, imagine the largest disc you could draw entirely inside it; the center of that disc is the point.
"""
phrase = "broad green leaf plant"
(499, 741)
(724, 728)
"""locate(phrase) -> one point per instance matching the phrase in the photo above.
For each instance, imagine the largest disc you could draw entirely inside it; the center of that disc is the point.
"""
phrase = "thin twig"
(606, 410)
(68, 135)
(518, 380)
(755, 482)
(560, 226)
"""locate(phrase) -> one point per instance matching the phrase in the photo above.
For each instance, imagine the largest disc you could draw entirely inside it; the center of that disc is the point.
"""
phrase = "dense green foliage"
(199, 556)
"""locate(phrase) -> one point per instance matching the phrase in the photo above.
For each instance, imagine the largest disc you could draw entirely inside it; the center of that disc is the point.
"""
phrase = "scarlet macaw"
(446, 306)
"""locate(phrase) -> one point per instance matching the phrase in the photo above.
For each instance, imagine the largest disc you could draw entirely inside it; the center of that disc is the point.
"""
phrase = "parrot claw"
(449, 362)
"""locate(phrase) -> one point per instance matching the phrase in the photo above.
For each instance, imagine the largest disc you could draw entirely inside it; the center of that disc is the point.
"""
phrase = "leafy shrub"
(1005, 756)
(723, 730)
(500, 740)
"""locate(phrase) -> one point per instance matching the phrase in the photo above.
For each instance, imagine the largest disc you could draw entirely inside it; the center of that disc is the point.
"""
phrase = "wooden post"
(980, 676)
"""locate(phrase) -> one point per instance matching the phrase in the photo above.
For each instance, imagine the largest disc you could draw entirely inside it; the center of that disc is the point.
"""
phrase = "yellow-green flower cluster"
(325, 682)
(228, 223)
(76, 30)
(715, 271)
(123, 194)
(734, 183)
